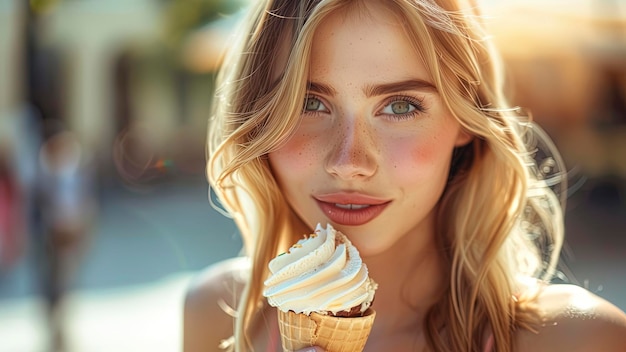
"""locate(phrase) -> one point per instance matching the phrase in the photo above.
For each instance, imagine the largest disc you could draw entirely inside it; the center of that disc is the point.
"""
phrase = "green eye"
(313, 104)
(400, 107)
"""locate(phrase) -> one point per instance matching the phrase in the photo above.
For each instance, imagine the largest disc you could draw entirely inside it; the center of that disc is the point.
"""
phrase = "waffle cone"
(334, 334)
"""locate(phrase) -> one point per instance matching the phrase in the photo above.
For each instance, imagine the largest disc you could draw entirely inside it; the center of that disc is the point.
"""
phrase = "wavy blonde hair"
(499, 221)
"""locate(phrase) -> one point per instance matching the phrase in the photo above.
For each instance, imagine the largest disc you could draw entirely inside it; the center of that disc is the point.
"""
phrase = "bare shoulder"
(575, 320)
(210, 301)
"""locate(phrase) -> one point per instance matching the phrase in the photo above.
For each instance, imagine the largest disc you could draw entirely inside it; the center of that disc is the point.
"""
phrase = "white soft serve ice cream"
(321, 273)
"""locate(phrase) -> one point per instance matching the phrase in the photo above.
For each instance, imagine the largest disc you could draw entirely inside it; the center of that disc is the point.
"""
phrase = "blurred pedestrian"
(66, 208)
(12, 237)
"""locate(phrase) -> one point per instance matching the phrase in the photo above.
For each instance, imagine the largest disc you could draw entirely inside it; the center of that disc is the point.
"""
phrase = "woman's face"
(372, 151)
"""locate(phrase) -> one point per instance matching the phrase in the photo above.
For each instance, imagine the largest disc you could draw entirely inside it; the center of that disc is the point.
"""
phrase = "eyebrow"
(401, 86)
(320, 88)
(378, 89)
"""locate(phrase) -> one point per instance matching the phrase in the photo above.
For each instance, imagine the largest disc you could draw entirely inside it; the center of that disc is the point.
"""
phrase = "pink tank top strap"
(489, 343)
(273, 342)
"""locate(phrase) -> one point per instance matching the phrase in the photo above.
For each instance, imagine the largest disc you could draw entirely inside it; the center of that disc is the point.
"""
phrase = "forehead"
(368, 39)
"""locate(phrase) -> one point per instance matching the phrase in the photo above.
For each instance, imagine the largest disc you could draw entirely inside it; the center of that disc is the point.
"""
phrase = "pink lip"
(350, 217)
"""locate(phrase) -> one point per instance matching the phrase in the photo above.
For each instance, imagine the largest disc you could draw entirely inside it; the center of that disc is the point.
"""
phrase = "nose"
(353, 154)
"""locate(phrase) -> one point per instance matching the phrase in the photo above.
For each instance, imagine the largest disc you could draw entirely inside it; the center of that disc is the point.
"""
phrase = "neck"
(411, 278)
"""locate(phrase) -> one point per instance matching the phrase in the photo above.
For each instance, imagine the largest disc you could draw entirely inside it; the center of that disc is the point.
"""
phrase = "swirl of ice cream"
(321, 273)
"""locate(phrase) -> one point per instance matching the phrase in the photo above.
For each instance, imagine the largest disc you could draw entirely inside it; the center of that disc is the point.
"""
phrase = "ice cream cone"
(334, 334)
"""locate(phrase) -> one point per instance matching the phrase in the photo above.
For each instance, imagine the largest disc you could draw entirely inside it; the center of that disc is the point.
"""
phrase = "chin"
(367, 247)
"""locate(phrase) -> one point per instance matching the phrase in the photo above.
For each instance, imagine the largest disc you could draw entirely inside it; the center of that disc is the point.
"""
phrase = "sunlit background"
(104, 208)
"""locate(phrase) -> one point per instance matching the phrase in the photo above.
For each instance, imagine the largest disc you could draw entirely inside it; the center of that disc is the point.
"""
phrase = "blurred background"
(104, 208)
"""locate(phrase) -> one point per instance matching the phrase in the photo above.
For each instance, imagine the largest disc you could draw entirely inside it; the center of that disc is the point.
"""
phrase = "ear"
(463, 138)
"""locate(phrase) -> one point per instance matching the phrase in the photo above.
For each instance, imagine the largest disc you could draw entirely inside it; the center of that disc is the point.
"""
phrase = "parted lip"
(348, 197)
(362, 208)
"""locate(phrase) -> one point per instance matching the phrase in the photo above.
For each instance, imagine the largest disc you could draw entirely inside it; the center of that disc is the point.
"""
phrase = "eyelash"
(314, 112)
(417, 103)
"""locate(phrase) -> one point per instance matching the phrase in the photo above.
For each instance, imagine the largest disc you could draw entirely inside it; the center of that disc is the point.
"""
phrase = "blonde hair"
(496, 214)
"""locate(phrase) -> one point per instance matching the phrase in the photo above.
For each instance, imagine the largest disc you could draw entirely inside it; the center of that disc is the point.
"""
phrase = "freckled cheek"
(298, 153)
(411, 160)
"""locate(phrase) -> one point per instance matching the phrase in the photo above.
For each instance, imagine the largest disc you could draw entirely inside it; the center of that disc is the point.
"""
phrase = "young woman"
(386, 118)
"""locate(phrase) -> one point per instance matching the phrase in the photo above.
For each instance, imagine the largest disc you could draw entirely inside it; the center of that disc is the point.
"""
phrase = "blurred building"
(133, 79)
(566, 61)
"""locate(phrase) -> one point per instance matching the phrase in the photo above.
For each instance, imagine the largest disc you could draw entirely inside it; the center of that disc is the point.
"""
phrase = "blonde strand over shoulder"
(258, 104)
(484, 206)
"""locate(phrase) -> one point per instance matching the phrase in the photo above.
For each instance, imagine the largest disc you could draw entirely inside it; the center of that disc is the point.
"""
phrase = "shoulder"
(575, 319)
(219, 280)
(210, 302)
